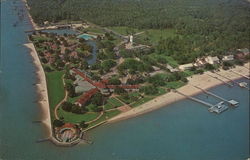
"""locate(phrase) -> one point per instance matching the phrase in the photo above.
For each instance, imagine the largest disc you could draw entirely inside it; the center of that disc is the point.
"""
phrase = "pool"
(86, 36)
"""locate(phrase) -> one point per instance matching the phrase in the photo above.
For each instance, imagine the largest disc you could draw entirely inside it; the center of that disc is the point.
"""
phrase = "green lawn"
(55, 88)
(74, 99)
(115, 102)
(76, 118)
(41, 38)
(105, 116)
(94, 30)
(141, 101)
(112, 103)
(161, 91)
(175, 85)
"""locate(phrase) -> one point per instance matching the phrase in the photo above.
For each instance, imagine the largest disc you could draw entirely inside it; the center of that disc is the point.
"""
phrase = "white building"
(228, 58)
(131, 39)
(200, 62)
(186, 66)
(212, 60)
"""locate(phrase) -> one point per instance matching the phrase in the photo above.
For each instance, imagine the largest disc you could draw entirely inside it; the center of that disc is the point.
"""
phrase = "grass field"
(76, 118)
(175, 85)
(141, 101)
(112, 103)
(94, 30)
(105, 116)
(55, 88)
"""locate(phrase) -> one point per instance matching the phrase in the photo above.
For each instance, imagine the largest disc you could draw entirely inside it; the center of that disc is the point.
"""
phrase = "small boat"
(243, 84)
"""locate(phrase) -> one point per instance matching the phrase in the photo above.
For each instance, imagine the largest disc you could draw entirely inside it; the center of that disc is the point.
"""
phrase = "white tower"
(131, 39)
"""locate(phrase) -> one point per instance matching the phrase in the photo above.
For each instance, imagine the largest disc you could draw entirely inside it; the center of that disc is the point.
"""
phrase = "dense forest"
(202, 26)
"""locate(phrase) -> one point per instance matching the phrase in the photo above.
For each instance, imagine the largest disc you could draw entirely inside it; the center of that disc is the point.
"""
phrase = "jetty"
(247, 77)
(195, 99)
(210, 93)
(225, 82)
(230, 102)
(238, 83)
(43, 140)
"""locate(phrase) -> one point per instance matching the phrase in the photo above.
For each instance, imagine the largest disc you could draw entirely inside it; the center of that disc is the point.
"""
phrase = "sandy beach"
(41, 87)
(204, 81)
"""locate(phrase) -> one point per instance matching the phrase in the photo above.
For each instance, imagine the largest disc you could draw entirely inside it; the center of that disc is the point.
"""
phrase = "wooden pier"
(225, 82)
(234, 82)
(212, 94)
(247, 77)
(195, 99)
(43, 140)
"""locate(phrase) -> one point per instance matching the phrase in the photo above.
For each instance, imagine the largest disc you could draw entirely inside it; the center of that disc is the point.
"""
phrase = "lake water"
(183, 130)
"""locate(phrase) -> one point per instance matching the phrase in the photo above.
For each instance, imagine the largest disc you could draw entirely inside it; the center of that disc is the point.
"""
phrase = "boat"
(243, 84)
(218, 108)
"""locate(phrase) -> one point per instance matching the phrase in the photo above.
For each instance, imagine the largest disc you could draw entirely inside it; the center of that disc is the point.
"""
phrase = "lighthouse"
(131, 39)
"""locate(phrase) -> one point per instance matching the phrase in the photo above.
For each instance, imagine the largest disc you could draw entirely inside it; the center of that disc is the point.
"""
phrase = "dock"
(230, 102)
(210, 93)
(225, 77)
(247, 77)
(225, 82)
(195, 99)
(43, 140)
(238, 83)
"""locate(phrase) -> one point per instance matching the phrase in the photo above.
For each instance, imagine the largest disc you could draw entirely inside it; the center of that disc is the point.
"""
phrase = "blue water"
(183, 130)
(85, 36)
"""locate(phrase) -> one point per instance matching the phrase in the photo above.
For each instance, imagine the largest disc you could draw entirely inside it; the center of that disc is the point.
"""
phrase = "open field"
(55, 88)
(77, 118)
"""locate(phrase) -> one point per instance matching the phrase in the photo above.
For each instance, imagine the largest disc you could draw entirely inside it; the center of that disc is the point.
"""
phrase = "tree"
(149, 90)
(58, 123)
(76, 109)
(83, 124)
(108, 64)
(209, 67)
(47, 69)
(119, 90)
(67, 106)
(114, 81)
(97, 99)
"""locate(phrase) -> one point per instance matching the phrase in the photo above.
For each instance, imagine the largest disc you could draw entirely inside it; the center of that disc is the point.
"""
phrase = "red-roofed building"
(100, 86)
(86, 96)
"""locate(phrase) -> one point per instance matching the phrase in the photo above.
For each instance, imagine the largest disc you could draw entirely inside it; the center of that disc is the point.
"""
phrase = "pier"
(43, 140)
(210, 93)
(239, 84)
(195, 99)
(225, 82)
(247, 77)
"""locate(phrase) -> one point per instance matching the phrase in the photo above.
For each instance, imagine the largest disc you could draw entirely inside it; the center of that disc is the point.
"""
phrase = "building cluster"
(240, 54)
(67, 133)
(89, 87)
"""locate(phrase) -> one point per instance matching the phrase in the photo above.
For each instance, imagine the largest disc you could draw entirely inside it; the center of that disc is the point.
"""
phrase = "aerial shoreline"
(154, 104)
(41, 88)
(203, 81)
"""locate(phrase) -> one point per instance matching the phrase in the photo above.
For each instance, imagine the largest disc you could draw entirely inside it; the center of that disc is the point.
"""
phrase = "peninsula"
(91, 74)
